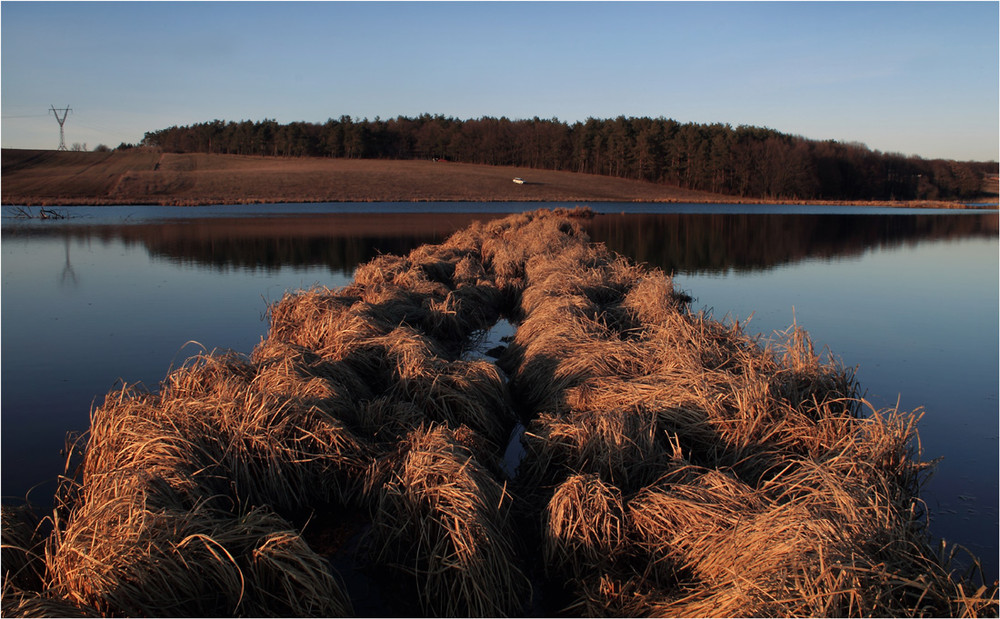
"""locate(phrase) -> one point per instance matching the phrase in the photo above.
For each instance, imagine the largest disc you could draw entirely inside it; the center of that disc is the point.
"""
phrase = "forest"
(745, 161)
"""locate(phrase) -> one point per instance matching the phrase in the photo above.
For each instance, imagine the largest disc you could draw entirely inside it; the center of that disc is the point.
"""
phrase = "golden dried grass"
(122, 557)
(619, 445)
(442, 518)
(585, 527)
(219, 433)
(459, 393)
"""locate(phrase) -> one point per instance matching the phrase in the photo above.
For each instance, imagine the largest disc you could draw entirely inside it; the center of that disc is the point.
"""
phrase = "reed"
(209, 433)
(460, 393)
(652, 299)
(442, 518)
(121, 557)
(735, 545)
(621, 446)
(22, 555)
(585, 527)
(294, 371)
(319, 321)
(19, 602)
(164, 522)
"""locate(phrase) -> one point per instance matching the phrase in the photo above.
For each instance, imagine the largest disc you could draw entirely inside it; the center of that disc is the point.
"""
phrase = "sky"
(916, 78)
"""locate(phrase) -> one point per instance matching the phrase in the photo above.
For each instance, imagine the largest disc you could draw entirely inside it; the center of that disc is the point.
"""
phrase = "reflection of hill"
(719, 242)
(673, 242)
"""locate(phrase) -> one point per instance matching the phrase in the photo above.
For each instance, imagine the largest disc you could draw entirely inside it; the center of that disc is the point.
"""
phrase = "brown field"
(141, 176)
(673, 465)
(146, 177)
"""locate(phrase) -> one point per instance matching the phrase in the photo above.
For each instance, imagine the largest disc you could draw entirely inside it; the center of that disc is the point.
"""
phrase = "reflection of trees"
(673, 242)
(338, 241)
(339, 254)
(719, 242)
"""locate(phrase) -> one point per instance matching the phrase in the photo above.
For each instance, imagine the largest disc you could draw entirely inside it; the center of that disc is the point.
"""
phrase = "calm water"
(124, 293)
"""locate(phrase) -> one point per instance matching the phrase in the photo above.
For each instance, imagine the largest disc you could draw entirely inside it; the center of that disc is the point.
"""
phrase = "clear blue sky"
(909, 77)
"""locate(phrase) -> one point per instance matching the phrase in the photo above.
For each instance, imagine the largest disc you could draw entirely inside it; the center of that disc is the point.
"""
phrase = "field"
(147, 177)
(142, 176)
(356, 461)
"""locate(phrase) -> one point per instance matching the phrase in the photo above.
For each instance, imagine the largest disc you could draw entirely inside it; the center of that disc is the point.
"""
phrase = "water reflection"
(717, 243)
(68, 275)
(675, 242)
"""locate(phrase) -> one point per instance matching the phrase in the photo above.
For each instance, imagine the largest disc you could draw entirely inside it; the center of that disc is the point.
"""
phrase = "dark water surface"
(124, 293)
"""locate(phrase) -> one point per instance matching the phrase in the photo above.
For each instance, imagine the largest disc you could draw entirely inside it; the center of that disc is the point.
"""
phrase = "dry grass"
(442, 518)
(54, 175)
(621, 446)
(133, 177)
(145, 176)
(22, 560)
(19, 602)
(215, 429)
(165, 517)
(585, 525)
(124, 557)
(674, 465)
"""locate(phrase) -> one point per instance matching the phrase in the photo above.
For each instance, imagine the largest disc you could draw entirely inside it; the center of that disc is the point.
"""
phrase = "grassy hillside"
(148, 177)
(145, 176)
(47, 174)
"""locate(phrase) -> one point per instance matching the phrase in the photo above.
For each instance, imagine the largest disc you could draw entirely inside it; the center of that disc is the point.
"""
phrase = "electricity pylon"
(61, 121)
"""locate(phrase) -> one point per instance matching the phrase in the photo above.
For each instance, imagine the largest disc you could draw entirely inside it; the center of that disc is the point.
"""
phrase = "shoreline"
(69, 202)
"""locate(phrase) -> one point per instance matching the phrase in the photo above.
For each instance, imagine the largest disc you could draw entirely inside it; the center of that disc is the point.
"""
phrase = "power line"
(66, 110)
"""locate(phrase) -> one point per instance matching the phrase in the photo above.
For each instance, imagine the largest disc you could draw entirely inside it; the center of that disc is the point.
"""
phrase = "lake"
(909, 296)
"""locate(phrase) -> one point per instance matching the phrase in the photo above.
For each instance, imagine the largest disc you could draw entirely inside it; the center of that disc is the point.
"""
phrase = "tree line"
(744, 161)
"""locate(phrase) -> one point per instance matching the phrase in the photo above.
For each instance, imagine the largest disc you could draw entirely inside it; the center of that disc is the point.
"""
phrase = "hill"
(745, 161)
(140, 176)
(146, 176)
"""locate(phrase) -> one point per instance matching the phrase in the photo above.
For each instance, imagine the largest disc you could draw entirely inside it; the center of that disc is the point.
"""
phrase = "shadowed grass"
(120, 556)
(30, 603)
(585, 526)
(22, 559)
(442, 518)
